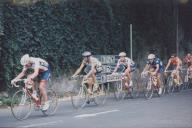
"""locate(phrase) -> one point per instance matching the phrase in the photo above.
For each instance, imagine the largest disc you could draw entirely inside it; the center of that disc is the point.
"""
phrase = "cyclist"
(42, 70)
(125, 65)
(174, 64)
(155, 66)
(91, 66)
(188, 61)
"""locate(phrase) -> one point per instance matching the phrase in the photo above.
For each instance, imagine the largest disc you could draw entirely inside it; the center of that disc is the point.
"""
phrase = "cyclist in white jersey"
(125, 65)
(92, 66)
(42, 70)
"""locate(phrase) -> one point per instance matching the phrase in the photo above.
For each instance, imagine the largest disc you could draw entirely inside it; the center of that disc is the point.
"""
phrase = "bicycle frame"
(27, 91)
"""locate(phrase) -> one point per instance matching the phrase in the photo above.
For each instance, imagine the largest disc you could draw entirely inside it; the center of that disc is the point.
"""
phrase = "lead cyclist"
(42, 70)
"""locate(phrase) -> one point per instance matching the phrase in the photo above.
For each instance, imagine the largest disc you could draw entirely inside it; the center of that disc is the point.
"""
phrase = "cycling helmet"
(151, 56)
(24, 59)
(122, 54)
(86, 54)
(173, 55)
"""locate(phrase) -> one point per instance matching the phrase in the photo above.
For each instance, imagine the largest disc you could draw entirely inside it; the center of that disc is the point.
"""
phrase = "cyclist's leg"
(160, 82)
(178, 77)
(31, 83)
(42, 88)
(44, 77)
(127, 77)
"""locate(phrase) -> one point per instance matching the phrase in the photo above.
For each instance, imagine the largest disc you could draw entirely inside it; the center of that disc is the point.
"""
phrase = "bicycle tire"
(53, 103)
(170, 86)
(99, 94)
(79, 99)
(119, 92)
(149, 91)
(21, 103)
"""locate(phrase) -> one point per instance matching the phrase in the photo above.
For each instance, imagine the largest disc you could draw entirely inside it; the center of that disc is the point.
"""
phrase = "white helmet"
(122, 54)
(151, 56)
(25, 59)
(86, 54)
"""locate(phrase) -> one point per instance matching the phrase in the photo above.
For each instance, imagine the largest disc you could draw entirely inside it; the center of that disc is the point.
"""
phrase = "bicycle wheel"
(79, 98)
(119, 92)
(170, 86)
(99, 94)
(133, 91)
(149, 90)
(53, 102)
(21, 105)
(186, 83)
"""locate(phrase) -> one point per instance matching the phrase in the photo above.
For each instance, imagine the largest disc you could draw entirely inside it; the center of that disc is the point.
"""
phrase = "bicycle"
(151, 85)
(188, 79)
(120, 90)
(171, 83)
(80, 96)
(22, 101)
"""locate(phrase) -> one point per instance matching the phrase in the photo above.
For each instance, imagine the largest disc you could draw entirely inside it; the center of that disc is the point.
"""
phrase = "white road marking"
(95, 114)
(40, 124)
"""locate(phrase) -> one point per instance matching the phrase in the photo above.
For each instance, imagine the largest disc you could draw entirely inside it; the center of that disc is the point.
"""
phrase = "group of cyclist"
(93, 66)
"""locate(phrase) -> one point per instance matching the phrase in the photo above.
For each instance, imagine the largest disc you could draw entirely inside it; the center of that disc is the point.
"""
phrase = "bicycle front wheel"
(99, 94)
(21, 105)
(149, 90)
(53, 102)
(79, 98)
(119, 92)
(170, 87)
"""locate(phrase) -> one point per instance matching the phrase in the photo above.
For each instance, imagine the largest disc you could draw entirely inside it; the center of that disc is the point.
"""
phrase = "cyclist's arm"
(79, 69)
(157, 68)
(146, 67)
(22, 74)
(178, 64)
(35, 73)
(168, 64)
(116, 67)
(128, 67)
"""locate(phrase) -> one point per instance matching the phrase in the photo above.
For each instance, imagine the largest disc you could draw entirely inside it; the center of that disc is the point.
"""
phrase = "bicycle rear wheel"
(79, 98)
(53, 102)
(99, 94)
(21, 105)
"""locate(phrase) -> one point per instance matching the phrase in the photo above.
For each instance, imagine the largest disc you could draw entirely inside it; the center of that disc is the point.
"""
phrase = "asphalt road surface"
(169, 111)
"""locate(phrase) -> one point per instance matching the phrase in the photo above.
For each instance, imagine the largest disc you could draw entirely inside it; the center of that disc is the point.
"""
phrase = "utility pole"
(177, 27)
(131, 46)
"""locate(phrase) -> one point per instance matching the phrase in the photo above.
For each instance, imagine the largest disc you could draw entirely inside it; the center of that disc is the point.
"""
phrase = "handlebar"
(168, 71)
(76, 77)
(15, 85)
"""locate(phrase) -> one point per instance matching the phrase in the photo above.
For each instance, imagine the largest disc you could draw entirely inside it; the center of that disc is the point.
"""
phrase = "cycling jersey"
(188, 60)
(156, 61)
(123, 64)
(174, 62)
(92, 62)
(42, 65)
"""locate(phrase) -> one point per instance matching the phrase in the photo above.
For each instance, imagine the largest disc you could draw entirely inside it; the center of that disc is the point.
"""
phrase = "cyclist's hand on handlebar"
(143, 73)
(73, 76)
(13, 81)
(85, 77)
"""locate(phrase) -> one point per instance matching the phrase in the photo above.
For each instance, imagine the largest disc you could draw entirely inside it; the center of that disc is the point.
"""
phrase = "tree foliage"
(60, 32)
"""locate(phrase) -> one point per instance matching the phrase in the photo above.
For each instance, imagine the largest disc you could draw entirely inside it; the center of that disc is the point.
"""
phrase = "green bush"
(59, 33)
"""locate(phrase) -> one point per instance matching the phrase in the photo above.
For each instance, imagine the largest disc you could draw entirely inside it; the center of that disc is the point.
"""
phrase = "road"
(169, 111)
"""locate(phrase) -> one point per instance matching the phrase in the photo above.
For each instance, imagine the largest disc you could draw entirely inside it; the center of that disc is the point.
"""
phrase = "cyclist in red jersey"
(174, 64)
